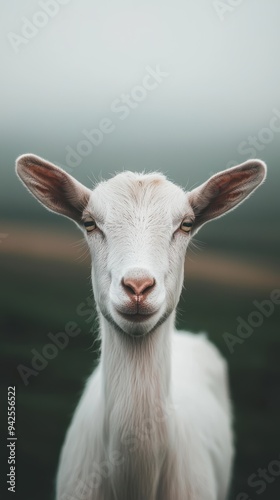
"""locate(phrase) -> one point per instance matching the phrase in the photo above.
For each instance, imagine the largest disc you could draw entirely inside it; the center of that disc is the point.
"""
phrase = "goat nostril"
(138, 286)
(129, 289)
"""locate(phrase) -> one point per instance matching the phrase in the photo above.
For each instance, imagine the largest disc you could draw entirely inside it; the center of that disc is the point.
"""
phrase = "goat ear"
(53, 187)
(225, 190)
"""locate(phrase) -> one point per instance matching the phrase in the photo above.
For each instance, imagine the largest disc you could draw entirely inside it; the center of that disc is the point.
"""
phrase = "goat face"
(139, 227)
(138, 244)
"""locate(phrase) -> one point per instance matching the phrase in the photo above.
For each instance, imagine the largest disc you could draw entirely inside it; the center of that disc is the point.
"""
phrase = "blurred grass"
(40, 295)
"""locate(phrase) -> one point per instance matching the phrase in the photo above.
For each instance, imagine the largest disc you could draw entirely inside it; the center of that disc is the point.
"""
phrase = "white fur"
(154, 422)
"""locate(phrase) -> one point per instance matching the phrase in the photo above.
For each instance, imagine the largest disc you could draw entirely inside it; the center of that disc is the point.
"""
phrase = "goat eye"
(89, 224)
(186, 225)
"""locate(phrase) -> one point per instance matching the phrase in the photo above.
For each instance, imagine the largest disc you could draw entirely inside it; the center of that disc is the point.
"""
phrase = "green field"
(39, 296)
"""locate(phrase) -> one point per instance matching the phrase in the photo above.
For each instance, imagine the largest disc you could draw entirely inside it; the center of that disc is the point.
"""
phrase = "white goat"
(154, 422)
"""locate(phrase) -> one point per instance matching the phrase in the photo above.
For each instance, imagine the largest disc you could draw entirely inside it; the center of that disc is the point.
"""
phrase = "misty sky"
(87, 66)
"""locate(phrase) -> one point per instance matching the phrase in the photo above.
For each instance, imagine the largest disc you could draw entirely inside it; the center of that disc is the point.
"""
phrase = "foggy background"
(67, 68)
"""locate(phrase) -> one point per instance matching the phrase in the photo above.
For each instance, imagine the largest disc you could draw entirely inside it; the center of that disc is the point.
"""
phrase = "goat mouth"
(136, 317)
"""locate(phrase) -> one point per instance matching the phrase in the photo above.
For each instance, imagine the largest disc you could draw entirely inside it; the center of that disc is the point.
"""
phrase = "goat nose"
(138, 286)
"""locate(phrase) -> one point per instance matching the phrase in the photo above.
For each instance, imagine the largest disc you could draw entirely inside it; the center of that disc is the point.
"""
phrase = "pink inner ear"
(222, 181)
(48, 177)
(41, 189)
(53, 187)
(235, 195)
(226, 190)
(233, 180)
